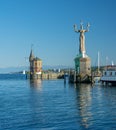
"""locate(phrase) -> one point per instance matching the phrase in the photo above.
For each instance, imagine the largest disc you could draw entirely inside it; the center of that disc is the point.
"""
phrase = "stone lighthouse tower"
(82, 60)
(35, 66)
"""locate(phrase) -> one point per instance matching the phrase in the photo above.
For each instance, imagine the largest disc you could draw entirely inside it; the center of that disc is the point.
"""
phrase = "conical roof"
(31, 57)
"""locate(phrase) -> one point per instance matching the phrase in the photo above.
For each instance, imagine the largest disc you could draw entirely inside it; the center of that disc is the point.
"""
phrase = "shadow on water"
(36, 101)
(95, 106)
(84, 102)
(36, 83)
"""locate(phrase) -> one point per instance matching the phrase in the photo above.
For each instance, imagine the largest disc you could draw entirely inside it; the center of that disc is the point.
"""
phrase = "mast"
(98, 62)
(106, 62)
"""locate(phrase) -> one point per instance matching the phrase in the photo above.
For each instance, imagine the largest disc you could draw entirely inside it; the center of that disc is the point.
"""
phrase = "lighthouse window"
(35, 63)
(104, 73)
(110, 73)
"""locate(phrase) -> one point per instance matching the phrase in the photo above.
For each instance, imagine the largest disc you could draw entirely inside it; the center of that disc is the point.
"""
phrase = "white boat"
(109, 75)
(24, 72)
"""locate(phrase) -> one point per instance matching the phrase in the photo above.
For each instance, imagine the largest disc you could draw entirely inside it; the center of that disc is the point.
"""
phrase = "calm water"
(51, 105)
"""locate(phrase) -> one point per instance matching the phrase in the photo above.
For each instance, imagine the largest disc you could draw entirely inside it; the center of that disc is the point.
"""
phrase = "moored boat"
(109, 75)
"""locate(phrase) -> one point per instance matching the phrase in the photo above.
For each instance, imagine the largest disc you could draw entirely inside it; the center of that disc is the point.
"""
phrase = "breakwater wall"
(48, 75)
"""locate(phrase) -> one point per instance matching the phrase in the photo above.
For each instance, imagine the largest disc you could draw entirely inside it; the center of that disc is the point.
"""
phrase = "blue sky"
(48, 24)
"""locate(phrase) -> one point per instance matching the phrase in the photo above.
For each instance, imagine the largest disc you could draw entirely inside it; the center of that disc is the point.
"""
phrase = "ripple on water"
(52, 105)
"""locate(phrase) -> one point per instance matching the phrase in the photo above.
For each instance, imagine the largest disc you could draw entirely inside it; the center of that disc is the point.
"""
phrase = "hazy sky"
(48, 24)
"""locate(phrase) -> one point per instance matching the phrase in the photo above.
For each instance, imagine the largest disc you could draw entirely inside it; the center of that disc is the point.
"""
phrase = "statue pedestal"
(83, 69)
(83, 65)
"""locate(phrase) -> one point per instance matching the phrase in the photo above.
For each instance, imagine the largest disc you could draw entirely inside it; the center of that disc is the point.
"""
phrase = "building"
(35, 66)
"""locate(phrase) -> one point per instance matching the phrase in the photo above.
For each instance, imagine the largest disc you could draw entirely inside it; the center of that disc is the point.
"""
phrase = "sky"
(48, 26)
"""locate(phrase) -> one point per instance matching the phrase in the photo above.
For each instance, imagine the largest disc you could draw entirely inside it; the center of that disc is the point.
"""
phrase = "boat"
(109, 75)
(24, 72)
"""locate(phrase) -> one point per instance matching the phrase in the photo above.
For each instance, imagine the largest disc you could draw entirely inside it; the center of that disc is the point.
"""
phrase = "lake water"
(53, 105)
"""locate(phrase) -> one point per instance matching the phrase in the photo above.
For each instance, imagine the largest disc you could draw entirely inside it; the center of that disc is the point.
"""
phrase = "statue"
(82, 37)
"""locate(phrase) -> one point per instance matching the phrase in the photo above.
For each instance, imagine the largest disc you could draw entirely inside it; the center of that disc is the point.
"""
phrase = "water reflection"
(84, 102)
(36, 83)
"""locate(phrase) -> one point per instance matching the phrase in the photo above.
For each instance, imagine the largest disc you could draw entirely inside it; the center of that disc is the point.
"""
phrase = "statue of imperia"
(81, 38)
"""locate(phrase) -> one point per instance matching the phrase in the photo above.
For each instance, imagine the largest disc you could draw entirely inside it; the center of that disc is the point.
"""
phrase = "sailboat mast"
(98, 62)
